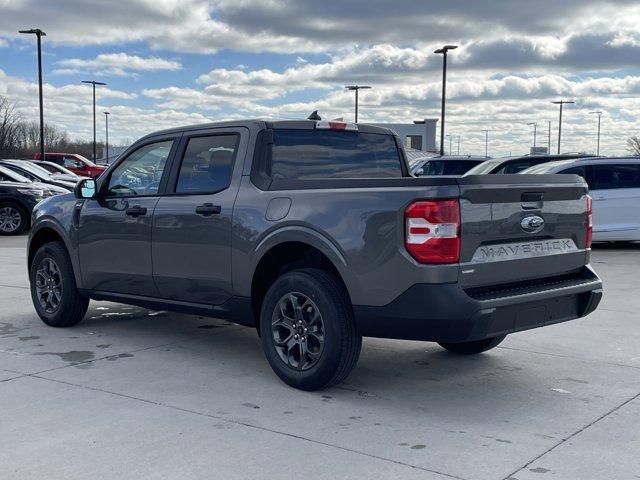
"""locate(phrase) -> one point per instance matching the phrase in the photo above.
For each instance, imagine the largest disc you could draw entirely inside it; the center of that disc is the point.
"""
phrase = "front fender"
(54, 220)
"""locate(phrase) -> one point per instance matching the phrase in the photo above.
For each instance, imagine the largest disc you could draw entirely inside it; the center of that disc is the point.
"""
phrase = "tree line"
(21, 139)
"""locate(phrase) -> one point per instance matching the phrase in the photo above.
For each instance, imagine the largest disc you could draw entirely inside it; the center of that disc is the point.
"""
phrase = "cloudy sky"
(177, 62)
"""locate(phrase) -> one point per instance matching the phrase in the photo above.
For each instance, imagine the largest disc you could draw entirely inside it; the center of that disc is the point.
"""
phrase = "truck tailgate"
(520, 227)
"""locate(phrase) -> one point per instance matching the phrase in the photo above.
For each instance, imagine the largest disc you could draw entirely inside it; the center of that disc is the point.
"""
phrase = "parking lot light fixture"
(94, 83)
(599, 113)
(561, 103)
(356, 88)
(443, 51)
(39, 34)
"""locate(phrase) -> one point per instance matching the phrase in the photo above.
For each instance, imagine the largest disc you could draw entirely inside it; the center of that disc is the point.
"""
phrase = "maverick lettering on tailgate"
(514, 251)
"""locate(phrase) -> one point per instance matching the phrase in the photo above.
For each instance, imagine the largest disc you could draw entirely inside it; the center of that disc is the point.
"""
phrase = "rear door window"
(621, 175)
(313, 154)
(207, 164)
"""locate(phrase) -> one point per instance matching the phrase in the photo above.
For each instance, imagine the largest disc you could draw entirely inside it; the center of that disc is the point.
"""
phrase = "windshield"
(35, 169)
(8, 175)
(546, 167)
(484, 167)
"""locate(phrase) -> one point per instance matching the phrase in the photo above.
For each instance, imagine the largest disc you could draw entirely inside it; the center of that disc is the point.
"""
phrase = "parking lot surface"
(133, 393)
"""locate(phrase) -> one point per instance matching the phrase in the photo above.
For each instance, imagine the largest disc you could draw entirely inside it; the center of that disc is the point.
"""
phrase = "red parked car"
(76, 163)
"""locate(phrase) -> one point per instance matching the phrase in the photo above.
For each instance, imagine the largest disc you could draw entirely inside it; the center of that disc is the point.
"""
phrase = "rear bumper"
(448, 313)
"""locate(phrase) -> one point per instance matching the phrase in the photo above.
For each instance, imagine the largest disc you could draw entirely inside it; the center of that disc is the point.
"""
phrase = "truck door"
(115, 227)
(192, 223)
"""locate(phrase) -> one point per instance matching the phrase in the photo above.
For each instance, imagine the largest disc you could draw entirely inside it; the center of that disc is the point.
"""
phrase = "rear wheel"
(470, 348)
(54, 292)
(13, 219)
(307, 329)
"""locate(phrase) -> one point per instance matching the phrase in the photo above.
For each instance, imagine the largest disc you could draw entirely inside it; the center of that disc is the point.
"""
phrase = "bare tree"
(9, 123)
(634, 144)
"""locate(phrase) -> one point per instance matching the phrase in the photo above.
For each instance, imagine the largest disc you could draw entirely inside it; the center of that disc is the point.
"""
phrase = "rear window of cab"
(314, 154)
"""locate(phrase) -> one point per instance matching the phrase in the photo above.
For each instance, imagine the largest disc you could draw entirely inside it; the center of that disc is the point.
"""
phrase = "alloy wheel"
(49, 285)
(297, 329)
(10, 219)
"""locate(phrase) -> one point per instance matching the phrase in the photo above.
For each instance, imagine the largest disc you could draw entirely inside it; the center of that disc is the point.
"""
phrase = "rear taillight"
(432, 231)
(589, 221)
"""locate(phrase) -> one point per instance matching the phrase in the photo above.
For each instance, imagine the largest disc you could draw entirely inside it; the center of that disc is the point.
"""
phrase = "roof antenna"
(314, 116)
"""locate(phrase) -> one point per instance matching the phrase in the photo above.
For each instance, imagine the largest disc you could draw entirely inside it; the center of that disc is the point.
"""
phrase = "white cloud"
(115, 64)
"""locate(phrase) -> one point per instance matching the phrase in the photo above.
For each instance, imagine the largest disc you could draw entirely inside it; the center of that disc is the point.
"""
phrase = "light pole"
(94, 83)
(443, 51)
(599, 113)
(535, 129)
(106, 127)
(458, 151)
(486, 143)
(561, 103)
(549, 138)
(39, 34)
(356, 88)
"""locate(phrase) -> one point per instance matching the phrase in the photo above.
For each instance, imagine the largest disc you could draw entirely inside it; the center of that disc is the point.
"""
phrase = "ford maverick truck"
(315, 234)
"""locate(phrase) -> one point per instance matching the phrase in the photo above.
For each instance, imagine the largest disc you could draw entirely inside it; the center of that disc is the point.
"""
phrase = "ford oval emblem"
(532, 223)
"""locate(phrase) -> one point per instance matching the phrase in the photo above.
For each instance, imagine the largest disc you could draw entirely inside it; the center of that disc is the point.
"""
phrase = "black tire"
(338, 352)
(71, 307)
(18, 212)
(471, 348)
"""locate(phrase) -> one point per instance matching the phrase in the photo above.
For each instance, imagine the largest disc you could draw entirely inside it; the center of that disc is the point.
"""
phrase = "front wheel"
(54, 292)
(14, 219)
(307, 329)
(470, 348)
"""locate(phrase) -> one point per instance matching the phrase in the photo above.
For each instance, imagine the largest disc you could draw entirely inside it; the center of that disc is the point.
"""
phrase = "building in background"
(420, 135)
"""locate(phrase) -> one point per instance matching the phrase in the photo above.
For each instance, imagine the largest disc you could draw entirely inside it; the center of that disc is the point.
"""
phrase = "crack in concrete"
(569, 437)
(613, 364)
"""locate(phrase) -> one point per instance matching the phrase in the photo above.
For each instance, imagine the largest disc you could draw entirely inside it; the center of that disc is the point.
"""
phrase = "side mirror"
(419, 172)
(85, 188)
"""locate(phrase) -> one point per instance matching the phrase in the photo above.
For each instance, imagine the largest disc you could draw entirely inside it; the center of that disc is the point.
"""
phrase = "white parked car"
(614, 185)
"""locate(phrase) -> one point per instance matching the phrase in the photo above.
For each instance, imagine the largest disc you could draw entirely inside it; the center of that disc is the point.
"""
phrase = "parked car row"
(23, 184)
(614, 183)
(73, 162)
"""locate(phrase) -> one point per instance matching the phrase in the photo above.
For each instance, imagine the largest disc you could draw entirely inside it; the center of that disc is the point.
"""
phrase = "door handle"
(208, 209)
(136, 211)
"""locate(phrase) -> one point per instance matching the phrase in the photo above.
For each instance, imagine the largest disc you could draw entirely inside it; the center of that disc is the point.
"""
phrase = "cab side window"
(621, 175)
(207, 164)
(70, 162)
(140, 173)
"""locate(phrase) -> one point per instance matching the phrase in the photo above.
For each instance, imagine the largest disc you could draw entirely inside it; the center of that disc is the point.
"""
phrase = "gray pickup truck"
(315, 234)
